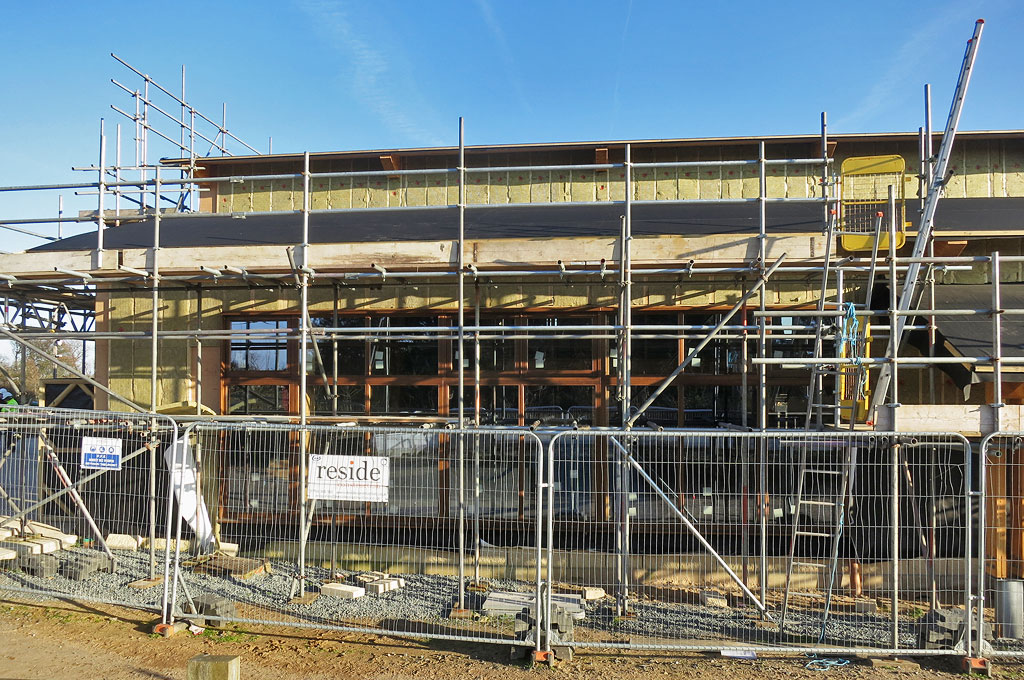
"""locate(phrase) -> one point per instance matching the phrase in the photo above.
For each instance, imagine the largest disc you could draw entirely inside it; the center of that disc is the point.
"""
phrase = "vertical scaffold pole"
(762, 370)
(101, 184)
(997, 344)
(461, 441)
(626, 306)
(303, 370)
(894, 446)
(153, 374)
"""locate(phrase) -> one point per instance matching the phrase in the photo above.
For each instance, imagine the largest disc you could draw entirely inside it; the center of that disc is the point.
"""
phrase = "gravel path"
(424, 603)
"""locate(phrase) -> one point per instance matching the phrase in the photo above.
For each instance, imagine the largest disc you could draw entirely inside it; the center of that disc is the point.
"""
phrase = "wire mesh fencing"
(780, 540)
(416, 532)
(1001, 538)
(83, 504)
(551, 540)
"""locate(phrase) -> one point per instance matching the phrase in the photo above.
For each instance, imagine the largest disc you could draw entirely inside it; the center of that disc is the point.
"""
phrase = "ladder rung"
(812, 533)
(830, 504)
(820, 471)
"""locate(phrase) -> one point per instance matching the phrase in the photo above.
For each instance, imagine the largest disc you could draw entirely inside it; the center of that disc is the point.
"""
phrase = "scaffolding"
(61, 304)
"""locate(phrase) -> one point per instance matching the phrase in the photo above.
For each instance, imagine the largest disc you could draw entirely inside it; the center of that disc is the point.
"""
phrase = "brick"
(377, 587)
(214, 667)
(710, 598)
(124, 542)
(22, 547)
(47, 545)
(44, 566)
(342, 590)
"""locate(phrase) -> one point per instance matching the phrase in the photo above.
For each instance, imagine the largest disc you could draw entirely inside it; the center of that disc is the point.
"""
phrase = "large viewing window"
(259, 350)
(404, 368)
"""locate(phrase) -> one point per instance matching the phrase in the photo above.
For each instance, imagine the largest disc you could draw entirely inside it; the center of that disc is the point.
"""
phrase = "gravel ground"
(424, 603)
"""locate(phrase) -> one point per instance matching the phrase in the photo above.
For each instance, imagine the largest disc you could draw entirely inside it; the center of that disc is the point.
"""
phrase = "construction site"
(757, 394)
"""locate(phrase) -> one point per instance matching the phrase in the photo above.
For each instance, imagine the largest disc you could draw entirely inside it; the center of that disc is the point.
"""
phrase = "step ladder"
(823, 490)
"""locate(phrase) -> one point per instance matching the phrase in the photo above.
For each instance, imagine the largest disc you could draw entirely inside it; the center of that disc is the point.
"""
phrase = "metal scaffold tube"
(460, 437)
(303, 274)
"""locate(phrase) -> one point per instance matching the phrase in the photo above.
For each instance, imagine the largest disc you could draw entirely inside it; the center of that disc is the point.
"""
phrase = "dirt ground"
(55, 640)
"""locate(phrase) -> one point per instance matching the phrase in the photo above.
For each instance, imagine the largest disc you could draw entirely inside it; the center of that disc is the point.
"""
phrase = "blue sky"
(329, 75)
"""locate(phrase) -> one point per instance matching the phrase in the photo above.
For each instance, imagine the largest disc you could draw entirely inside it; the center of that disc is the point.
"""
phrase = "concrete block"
(377, 587)
(6, 554)
(22, 547)
(38, 529)
(214, 667)
(230, 549)
(711, 598)
(160, 544)
(379, 575)
(47, 545)
(124, 542)
(591, 593)
(43, 566)
(342, 590)
(211, 605)
(361, 579)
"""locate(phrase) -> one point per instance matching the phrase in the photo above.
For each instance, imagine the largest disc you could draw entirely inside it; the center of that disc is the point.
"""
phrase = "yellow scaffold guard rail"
(865, 182)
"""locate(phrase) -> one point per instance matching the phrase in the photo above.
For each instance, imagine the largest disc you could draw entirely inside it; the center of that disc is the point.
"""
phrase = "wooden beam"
(391, 162)
(996, 511)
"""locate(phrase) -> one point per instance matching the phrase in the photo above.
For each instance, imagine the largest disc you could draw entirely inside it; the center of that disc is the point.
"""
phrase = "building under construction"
(818, 283)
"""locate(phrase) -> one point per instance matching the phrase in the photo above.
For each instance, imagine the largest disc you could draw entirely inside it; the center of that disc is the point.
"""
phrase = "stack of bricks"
(377, 582)
(41, 566)
(81, 567)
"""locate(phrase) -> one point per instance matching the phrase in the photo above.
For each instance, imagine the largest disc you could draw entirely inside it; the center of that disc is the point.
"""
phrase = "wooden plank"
(1015, 500)
(996, 511)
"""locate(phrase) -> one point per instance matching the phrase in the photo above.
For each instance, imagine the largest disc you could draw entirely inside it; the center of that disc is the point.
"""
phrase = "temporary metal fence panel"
(82, 503)
(687, 537)
(293, 519)
(1001, 540)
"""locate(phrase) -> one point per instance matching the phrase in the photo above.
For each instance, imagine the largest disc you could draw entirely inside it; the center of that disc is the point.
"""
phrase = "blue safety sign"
(101, 453)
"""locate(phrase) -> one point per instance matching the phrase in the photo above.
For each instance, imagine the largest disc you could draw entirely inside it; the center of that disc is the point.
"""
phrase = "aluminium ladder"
(832, 491)
(924, 233)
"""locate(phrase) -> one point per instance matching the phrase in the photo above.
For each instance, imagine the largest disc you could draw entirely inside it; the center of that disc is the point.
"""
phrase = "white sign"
(349, 478)
(101, 453)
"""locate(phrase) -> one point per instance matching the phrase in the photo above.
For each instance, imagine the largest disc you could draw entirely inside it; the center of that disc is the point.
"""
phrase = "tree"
(37, 368)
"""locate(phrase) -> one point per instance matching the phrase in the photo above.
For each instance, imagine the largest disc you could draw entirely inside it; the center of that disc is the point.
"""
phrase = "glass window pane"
(559, 404)
(559, 354)
(350, 400)
(654, 356)
(257, 399)
(351, 354)
(664, 411)
(499, 405)
(255, 352)
(403, 400)
(497, 354)
(404, 352)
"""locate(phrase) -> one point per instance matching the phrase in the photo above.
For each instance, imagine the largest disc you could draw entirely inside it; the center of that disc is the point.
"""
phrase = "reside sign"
(349, 478)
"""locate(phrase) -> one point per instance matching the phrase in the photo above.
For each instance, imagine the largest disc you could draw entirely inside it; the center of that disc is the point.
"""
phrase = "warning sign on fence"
(101, 453)
(349, 478)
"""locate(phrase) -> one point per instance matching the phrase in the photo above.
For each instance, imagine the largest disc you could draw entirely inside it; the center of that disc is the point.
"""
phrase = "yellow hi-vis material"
(865, 182)
(854, 387)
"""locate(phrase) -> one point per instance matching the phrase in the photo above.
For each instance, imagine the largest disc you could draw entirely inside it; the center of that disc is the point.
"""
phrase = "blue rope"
(826, 664)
